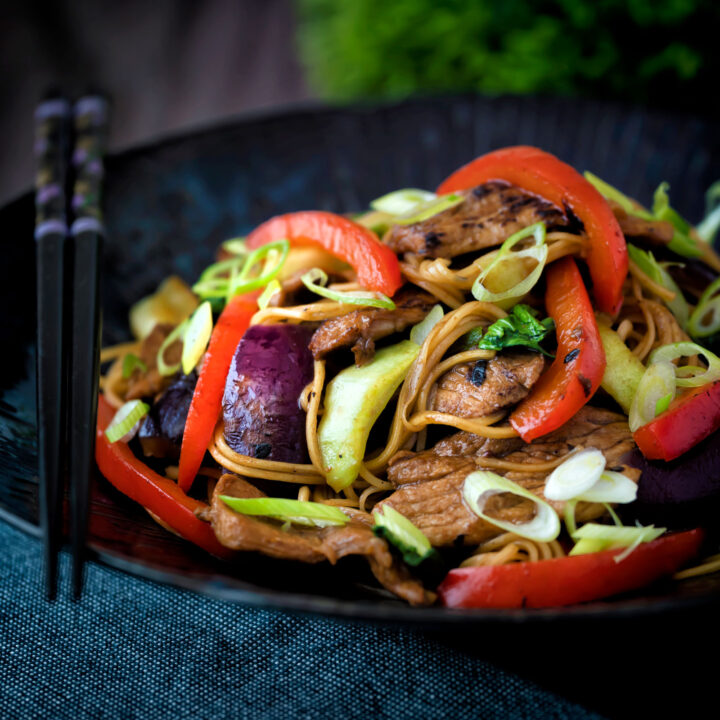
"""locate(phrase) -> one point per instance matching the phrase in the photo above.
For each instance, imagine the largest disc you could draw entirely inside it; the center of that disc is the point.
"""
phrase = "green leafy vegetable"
(401, 533)
(520, 328)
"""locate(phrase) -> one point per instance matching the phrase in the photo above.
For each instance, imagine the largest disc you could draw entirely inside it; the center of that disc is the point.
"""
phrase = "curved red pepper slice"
(690, 418)
(207, 398)
(568, 580)
(579, 365)
(158, 494)
(376, 264)
(545, 175)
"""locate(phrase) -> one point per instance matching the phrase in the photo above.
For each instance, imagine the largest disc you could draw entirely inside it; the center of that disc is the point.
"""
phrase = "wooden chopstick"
(90, 122)
(52, 143)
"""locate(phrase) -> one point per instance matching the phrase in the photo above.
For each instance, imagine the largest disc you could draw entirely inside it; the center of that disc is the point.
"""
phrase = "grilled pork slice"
(473, 390)
(361, 328)
(490, 214)
(310, 545)
(430, 483)
(650, 232)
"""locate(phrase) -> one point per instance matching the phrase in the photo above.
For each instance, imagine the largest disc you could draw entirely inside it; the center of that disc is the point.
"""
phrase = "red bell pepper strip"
(568, 580)
(545, 175)
(690, 418)
(376, 264)
(579, 364)
(158, 494)
(207, 398)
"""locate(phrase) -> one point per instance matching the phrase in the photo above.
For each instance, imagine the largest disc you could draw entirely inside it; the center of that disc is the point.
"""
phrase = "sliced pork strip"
(473, 390)
(361, 328)
(310, 545)
(489, 215)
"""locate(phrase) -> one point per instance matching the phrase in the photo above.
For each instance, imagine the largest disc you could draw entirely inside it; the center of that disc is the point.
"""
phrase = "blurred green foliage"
(660, 52)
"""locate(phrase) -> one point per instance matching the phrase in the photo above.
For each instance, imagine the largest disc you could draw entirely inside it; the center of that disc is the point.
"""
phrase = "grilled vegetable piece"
(270, 368)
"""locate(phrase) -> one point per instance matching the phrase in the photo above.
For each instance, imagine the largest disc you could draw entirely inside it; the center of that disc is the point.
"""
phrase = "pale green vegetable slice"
(316, 279)
(406, 537)
(623, 371)
(689, 377)
(657, 383)
(419, 332)
(402, 201)
(126, 421)
(196, 338)
(578, 473)
(300, 512)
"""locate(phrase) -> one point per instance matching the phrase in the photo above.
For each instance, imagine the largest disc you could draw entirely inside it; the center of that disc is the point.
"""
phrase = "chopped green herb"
(130, 362)
(520, 328)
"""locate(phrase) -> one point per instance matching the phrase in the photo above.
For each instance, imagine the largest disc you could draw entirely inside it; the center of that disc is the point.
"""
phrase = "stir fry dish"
(474, 389)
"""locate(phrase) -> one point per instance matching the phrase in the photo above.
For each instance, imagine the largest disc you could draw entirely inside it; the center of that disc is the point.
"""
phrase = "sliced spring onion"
(126, 421)
(163, 368)
(700, 376)
(399, 531)
(612, 193)
(611, 537)
(378, 222)
(705, 318)
(657, 382)
(683, 243)
(709, 226)
(234, 276)
(197, 337)
(272, 288)
(315, 280)
(236, 246)
(403, 201)
(578, 473)
(611, 487)
(300, 512)
(129, 363)
(481, 485)
(426, 210)
(655, 271)
(507, 269)
(419, 332)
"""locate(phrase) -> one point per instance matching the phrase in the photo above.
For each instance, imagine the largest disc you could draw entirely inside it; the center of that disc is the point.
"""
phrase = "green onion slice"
(403, 201)
(419, 332)
(197, 337)
(163, 368)
(652, 268)
(611, 487)
(399, 531)
(705, 318)
(426, 210)
(700, 376)
(316, 279)
(611, 537)
(683, 243)
(300, 512)
(129, 363)
(709, 226)
(126, 421)
(236, 246)
(505, 266)
(657, 382)
(272, 288)
(578, 473)
(481, 485)
(612, 193)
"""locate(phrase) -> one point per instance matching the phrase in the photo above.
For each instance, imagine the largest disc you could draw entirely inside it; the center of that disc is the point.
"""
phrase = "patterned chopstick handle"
(91, 125)
(52, 141)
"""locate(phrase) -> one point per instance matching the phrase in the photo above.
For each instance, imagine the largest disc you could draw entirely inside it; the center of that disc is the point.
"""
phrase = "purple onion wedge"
(261, 410)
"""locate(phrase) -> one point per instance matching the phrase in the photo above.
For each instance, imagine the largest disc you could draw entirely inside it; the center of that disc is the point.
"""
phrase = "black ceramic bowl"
(168, 206)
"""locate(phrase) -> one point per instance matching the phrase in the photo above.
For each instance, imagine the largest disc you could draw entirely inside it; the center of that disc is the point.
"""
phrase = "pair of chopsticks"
(70, 144)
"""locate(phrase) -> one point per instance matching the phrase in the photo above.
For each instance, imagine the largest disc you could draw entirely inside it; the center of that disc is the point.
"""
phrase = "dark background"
(170, 65)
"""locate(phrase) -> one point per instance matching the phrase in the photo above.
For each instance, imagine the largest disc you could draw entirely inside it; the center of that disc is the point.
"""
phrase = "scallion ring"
(129, 363)
(197, 337)
(316, 279)
(163, 368)
(657, 382)
(705, 318)
(673, 351)
(481, 485)
(426, 210)
(300, 512)
(400, 202)
(611, 537)
(273, 287)
(517, 281)
(126, 421)
(578, 473)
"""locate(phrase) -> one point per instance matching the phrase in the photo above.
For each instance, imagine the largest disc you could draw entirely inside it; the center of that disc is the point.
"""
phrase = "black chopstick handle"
(52, 143)
(87, 247)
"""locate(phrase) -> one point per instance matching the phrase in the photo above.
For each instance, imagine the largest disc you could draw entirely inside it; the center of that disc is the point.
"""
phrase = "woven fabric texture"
(133, 649)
